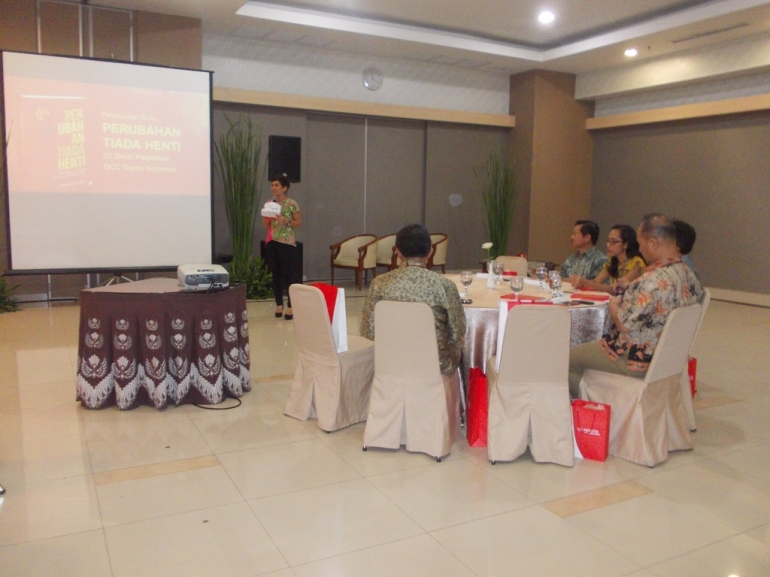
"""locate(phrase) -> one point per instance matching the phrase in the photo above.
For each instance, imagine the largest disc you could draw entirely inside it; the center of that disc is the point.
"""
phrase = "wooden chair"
(411, 403)
(358, 253)
(332, 386)
(386, 252)
(439, 242)
(648, 418)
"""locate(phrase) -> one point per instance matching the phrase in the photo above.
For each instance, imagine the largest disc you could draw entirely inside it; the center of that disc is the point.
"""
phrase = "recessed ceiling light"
(631, 52)
(546, 17)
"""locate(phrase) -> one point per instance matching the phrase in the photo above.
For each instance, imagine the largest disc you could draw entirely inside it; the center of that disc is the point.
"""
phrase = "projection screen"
(108, 164)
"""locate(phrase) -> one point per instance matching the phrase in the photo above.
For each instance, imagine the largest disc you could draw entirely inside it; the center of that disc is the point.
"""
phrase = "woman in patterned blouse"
(625, 265)
(281, 245)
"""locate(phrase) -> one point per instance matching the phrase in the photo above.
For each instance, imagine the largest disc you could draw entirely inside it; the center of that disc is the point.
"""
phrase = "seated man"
(640, 313)
(685, 240)
(588, 261)
(412, 282)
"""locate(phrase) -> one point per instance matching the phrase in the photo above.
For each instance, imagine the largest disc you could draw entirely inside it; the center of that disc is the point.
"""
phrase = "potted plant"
(497, 177)
(238, 152)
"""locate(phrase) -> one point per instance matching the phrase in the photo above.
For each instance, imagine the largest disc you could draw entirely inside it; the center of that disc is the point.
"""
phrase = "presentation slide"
(109, 164)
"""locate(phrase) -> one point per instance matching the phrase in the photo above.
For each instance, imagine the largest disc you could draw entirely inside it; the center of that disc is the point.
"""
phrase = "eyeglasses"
(613, 240)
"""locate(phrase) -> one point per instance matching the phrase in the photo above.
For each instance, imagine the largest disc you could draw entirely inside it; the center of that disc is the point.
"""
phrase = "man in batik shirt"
(413, 282)
(588, 261)
(641, 312)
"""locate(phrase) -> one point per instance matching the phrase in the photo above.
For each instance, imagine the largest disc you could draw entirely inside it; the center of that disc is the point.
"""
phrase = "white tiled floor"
(247, 492)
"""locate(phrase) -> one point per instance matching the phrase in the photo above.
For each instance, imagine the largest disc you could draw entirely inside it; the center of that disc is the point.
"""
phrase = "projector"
(202, 277)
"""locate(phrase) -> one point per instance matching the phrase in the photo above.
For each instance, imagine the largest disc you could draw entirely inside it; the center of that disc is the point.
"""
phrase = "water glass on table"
(541, 272)
(517, 285)
(497, 270)
(466, 278)
(554, 279)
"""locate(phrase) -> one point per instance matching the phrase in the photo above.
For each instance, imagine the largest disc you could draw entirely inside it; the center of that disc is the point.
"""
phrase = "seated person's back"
(412, 282)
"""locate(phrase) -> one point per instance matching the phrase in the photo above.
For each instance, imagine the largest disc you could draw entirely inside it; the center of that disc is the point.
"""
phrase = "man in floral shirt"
(639, 315)
(412, 282)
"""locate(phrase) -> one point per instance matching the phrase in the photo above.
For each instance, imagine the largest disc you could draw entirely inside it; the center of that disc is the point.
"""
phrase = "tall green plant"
(238, 152)
(497, 177)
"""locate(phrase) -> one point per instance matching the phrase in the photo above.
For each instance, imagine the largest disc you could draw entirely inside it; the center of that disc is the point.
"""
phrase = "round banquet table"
(589, 322)
(148, 342)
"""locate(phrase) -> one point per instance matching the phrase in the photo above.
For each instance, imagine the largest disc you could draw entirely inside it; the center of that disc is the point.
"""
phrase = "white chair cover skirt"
(529, 401)
(332, 387)
(411, 403)
(648, 417)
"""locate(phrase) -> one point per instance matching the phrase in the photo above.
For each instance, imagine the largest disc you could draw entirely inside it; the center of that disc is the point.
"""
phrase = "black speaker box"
(285, 157)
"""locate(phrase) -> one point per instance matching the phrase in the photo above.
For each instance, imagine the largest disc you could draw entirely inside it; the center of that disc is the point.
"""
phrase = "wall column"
(554, 153)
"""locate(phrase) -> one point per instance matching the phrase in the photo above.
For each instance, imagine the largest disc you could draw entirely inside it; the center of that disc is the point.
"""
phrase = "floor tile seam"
(275, 444)
(51, 537)
(353, 551)
(353, 465)
(452, 555)
(272, 538)
(214, 415)
(732, 532)
(397, 506)
(486, 518)
(272, 379)
(700, 548)
(107, 472)
(114, 526)
(300, 490)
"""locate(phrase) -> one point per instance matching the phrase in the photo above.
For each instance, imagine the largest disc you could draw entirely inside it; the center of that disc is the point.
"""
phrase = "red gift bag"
(478, 405)
(692, 367)
(592, 429)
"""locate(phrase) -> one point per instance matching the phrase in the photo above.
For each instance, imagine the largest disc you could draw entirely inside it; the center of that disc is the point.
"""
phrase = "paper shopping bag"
(591, 422)
(692, 368)
(476, 427)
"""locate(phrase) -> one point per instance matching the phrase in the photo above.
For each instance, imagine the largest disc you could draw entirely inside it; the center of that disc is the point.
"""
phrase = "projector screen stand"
(116, 278)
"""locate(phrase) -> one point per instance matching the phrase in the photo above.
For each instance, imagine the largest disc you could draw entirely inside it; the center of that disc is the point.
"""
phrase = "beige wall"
(554, 150)
(712, 173)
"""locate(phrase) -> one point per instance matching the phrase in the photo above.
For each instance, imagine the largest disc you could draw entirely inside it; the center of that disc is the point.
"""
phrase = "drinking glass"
(466, 278)
(554, 279)
(517, 285)
(541, 272)
(497, 270)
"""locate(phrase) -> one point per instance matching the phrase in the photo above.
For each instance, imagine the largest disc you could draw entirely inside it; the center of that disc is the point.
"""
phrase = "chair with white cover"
(411, 403)
(358, 253)
(648, 418)
(386, 251)
(684, 381)
(334, 387)
(517, 264)
(529, 402)
(439, 244)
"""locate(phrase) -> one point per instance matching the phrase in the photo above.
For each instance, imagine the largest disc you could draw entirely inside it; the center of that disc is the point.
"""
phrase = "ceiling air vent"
(710, 33)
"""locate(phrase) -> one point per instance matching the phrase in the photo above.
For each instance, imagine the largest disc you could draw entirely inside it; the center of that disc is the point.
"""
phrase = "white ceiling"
(500, 35)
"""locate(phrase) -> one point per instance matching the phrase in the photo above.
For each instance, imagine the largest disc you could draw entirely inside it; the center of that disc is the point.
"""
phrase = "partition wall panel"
(395, 174)
(713, 173)
(452, 193)
(334, 205)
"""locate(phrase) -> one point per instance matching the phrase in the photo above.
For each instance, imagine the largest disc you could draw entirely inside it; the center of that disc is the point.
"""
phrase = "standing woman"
(281, 245)
(625, 265)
